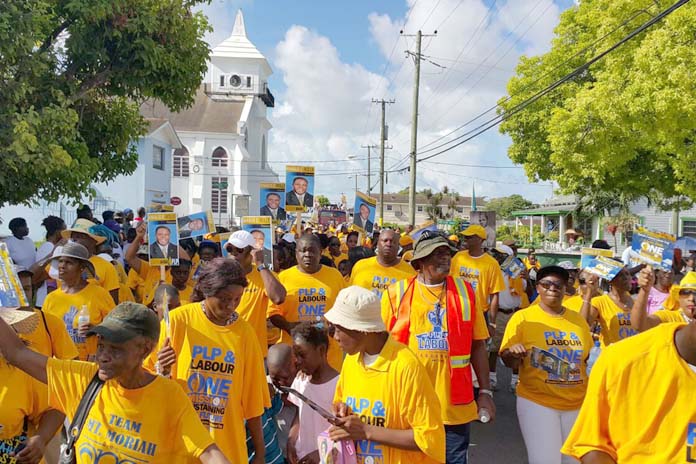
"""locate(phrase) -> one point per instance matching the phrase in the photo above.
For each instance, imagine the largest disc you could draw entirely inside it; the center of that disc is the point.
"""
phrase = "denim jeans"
(457, 443)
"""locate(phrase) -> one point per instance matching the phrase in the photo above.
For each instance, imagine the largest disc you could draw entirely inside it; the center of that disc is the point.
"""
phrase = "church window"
(220, 158)
(180, 162)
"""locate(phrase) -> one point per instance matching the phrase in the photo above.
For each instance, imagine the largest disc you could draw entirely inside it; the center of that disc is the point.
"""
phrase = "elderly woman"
(550, 345)
(216, 358)
(77, 295)
(642, 320)
(135, 416)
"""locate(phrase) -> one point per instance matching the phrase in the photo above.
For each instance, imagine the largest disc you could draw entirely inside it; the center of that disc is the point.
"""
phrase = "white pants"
(544, 431)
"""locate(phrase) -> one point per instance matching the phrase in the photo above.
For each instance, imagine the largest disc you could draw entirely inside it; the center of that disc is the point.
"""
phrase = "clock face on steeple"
(235, 80)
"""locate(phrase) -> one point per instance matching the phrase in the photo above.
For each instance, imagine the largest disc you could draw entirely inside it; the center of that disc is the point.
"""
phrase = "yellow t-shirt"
(639, 407)
(151, 280)
(56, 342)
(428, 340)
(136, 284)
(221, 371)
(483, 273)
(393, 392)
(529, 265)
(124, 291)
(573, 302)
(253, 308)
(337, 259)
(152, 424)
(106, 274)
(671, 316)
(185, 294)
(67, 307)
(308, 297)
(566, 336)
(368, 273)
(615, 323)
(672, 301)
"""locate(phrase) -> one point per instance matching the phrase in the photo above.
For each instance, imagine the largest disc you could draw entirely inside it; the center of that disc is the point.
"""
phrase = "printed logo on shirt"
(380, 284)
(691, 442)
(210, 383)
(625, 329)
(436, 339)
(471, 275)
(69, 320)
(371, 413)
(565, 360)
(312, 304)
(117, 442)
(10, 445)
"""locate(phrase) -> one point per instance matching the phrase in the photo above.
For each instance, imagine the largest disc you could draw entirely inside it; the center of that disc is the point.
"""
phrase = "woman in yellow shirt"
(550, 345)
(612, 310)
(216, 358)
(642, 321)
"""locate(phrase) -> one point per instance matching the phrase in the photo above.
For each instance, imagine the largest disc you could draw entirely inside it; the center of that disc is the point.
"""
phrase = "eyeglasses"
(582, 281)
(687, 293)
(547, 284)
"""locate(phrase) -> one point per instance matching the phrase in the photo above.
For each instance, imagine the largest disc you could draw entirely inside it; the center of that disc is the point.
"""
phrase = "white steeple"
(239, 28)
(238, 46)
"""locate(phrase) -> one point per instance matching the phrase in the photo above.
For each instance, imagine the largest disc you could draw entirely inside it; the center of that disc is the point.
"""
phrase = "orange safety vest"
(460, 304)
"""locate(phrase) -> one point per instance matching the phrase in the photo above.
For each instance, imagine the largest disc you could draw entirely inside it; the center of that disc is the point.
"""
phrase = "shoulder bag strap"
(82, 411)
(48, 332)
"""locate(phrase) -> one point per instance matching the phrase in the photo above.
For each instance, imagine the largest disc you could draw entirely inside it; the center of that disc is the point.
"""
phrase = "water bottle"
(594, 354)
(484, 416)
(83, 316)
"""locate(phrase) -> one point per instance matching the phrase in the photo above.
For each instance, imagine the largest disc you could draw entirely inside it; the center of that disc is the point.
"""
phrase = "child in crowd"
(310, 345)
(172, 298)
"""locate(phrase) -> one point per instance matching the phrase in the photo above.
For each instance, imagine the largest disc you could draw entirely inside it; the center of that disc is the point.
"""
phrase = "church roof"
(238, 45)
(205, 115)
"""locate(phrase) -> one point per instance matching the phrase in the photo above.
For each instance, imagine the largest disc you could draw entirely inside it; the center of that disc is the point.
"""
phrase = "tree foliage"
(72, 75)
(323, 201)
(504, 206)
(624, 127)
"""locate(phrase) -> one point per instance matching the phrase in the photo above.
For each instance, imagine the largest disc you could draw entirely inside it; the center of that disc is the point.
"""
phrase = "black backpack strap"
(48, 332)
(81, 414)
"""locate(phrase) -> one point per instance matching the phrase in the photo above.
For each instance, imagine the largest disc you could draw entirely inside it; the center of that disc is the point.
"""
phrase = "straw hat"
(358, 309)
(23, 322)
(83, 226)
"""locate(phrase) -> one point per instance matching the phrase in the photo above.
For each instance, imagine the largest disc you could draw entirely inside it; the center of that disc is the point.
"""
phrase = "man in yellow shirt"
(639, 406)
(436, 316)
(384, 398)
(379, 272)
(263, 286)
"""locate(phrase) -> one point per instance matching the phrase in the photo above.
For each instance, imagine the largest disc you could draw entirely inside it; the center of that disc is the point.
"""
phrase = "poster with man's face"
(273, 201)
(196, 224)
(364, 213)
(163, 239)
(485, 219)
(299, 182)
(260, 227)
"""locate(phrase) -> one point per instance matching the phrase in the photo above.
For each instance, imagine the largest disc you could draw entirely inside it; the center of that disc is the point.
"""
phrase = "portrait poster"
(160, 208)
(485, 219)
(364, 213)
(260, 227)
(652, 247)
(11, 292)
(163, 239)
(224, 238)
(299, 185)
(272, 201)
(196, 224)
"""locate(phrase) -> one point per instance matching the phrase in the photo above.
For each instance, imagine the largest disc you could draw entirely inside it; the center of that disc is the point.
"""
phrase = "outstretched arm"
(19, 355)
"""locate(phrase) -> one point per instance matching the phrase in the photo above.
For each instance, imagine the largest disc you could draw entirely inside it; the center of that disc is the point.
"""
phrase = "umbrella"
(686, 243)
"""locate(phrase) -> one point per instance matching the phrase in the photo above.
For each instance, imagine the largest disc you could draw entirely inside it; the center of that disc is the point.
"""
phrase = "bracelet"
(484, 391)
(492, 325)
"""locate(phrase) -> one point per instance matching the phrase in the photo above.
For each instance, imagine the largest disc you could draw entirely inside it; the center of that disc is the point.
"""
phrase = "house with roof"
(396, 207)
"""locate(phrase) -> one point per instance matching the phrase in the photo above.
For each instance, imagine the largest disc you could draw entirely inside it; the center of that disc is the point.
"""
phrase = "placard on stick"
(163, 239)
(260, 227)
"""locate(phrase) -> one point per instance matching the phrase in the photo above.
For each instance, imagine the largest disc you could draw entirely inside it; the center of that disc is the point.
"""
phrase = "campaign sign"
(272, 200)
(224, 238)
(604, 267)
(299, 182)
(557, 368)
(196, 224)
(163, 239)
(11, 291)
(652, 247)
(513, 266)
(160, 208)
(260, 227)
(343, 452)
(364, 213)
(589, 253)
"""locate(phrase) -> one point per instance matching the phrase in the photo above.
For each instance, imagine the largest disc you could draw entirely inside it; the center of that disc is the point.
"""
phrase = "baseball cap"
(568, 265)
(688, 281)
(454, 238)
(405, 240)
(552, 270)
(475, 229)
(126, 321)
(358, 309)
(505, 249)
(429, 242)
(510, 242)
(241, 239)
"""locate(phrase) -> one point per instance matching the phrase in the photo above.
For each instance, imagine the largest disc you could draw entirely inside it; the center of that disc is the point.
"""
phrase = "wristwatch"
(263, 266)
(483, 391)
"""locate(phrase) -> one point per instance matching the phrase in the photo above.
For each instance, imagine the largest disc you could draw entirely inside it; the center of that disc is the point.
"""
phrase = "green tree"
(625, 126)
(504, 206)
(323, 201)
(72, 76)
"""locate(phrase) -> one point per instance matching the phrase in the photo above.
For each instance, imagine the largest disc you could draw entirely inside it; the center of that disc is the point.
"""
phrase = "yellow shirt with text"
(107, 276)
(393, 392)
(221, 371)
(368, 273)
(55, 342)
(67, 307)
(308, 297)
(639, 407)
(565, 336)
(615, 323)
(253, 308)
(428, 340)
(483, 273)
(152, 424)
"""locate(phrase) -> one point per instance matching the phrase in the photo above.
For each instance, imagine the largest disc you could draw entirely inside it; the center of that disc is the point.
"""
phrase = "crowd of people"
(390, 341)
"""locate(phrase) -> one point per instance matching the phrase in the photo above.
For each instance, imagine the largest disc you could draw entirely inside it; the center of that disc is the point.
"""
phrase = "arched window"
(264, 154)
(220, 158)
(180, 163)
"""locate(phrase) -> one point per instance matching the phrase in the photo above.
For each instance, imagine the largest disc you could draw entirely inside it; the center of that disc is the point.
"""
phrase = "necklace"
(230, 320)
(618, 300)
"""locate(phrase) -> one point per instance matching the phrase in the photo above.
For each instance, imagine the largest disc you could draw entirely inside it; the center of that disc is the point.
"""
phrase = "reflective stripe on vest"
(459, 361)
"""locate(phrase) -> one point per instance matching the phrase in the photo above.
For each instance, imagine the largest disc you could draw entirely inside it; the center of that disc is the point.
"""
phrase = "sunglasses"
(547, 284)
(687, 293)
(582, 281)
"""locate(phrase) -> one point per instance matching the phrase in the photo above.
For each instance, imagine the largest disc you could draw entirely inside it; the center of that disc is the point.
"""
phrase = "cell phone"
(322, 412)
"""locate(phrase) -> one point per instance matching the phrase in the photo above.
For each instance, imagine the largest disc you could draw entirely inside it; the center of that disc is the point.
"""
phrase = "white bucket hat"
(358, 309)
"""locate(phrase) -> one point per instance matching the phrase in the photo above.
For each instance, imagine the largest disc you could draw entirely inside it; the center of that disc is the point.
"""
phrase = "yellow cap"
(405, 240)
(475, 229)
(454, 238)
(408, 256)
(688, 281)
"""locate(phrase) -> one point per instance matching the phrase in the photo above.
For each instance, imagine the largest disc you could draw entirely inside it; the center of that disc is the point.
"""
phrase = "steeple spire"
(239, 28)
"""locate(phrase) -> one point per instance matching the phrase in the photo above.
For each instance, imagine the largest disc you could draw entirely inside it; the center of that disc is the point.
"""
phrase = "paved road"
(500, 441)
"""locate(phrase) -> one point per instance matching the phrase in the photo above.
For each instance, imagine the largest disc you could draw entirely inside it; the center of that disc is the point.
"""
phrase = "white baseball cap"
(358, 309)
(290, 238)
(241, 239)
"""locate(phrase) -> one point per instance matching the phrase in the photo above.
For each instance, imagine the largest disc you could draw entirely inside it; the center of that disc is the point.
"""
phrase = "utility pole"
(382, 138)
(414, 127)
(369, 175)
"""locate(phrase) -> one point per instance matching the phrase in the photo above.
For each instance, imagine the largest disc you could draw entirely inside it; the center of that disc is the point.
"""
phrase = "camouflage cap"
(127, 321)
